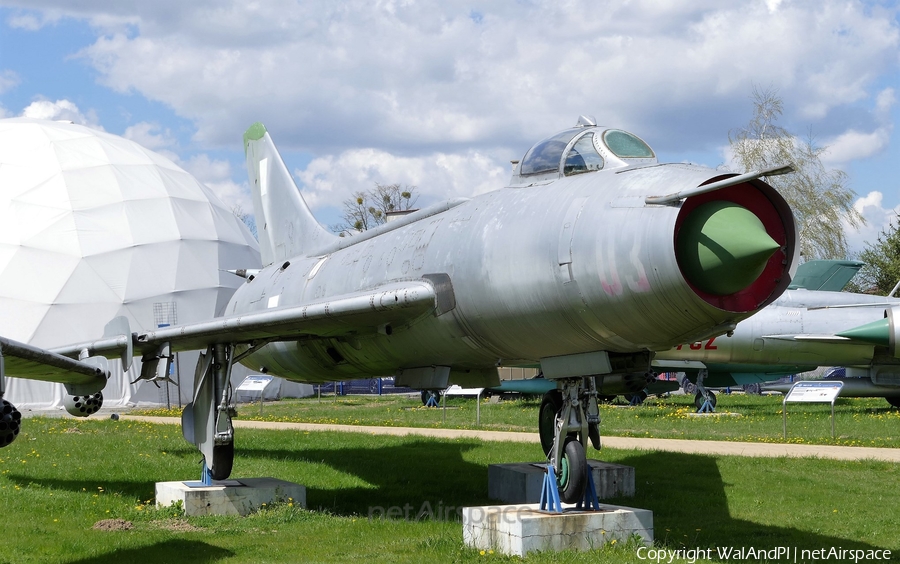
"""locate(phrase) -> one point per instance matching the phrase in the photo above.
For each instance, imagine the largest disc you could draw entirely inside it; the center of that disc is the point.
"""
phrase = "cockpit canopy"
(583, 148)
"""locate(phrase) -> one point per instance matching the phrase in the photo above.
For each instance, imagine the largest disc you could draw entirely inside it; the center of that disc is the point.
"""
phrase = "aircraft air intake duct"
(82, 406)
(884, 332)
(10, 421)
(735, 246)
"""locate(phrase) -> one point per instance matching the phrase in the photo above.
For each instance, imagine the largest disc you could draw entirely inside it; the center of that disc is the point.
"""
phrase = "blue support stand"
(550, 492)
(707, 407)
(590, 502)
(432, 401)
(205, 475)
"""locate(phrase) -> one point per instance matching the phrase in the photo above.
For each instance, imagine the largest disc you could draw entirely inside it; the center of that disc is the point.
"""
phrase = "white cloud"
(328, 181)
(424, 76)
(878, 218)
(440, 95)
(33, 21)
(8, 80)
(852, 145)
(150, 135)
(62, 110)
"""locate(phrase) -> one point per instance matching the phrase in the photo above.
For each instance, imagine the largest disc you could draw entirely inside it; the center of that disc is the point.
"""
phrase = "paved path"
(669, 445)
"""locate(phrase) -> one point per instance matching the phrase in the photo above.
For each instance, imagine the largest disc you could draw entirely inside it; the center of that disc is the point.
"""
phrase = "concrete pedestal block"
(229, 497)
(519, 529)
(521, 482)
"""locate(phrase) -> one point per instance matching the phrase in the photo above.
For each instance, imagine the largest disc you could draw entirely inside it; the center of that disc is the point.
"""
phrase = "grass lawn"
(63, 476)
(858, 421)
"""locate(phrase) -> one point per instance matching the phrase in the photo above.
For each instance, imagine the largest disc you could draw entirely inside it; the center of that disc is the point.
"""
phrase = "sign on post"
(256, 383)
(818, 391)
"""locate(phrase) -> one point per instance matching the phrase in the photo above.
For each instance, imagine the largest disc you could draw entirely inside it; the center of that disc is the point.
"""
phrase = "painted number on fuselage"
(697, 345)
(637, 279)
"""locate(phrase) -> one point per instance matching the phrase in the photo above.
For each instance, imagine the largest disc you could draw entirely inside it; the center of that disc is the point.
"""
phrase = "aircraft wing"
(25, 361)
(358, 312)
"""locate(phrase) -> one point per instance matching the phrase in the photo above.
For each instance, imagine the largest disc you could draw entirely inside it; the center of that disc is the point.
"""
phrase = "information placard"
(818, 391)
(255, 383)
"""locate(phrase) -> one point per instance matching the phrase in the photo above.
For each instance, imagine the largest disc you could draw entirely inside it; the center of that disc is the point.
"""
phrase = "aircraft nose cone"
(722, 248)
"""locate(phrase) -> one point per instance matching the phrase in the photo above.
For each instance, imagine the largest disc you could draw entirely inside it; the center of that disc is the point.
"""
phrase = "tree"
(819, 198)
(365, 210)
(248, 219)
(881, 270)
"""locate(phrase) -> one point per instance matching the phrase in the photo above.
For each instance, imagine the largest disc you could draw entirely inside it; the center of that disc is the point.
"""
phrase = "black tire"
(572, 476)
(894, 401)
(698, 400)
(550, 406)
(428, 394)
(222, 462)
(688, 386)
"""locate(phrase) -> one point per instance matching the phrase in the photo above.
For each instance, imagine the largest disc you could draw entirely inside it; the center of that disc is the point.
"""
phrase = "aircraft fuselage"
(569, 266)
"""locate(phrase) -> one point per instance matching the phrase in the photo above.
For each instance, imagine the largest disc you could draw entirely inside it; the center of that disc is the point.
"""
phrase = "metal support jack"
(708, 405)
(550, 492)
(205, 475)
(590, 502)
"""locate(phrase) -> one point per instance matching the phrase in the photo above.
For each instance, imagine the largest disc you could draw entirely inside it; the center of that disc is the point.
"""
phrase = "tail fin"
(285, 226)
(825, 275)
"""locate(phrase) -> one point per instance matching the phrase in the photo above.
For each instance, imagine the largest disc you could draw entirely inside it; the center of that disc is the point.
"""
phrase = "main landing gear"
(705, 400)
(568, 418)
(206, 421)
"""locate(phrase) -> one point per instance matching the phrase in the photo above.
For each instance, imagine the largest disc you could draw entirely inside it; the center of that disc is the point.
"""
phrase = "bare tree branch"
(819, 198)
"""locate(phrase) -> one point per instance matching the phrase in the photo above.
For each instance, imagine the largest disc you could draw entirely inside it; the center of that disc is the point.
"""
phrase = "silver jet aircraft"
(591, 259)
(812, 324)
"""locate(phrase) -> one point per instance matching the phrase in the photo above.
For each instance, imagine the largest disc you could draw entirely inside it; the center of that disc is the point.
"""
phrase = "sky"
(441, 95)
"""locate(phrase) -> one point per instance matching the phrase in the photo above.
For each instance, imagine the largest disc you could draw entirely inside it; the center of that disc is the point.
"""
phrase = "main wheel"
(427, 395)
(550, 406)
(894, 401)
(698, 400)
(572, 475)
(222, 462)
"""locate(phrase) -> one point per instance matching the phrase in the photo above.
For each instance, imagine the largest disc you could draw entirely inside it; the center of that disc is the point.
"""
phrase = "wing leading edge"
(358, 312)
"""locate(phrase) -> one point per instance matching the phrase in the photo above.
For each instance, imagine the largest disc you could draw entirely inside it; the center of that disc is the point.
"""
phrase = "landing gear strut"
(568, 418)
(705, 400)
(206, 421)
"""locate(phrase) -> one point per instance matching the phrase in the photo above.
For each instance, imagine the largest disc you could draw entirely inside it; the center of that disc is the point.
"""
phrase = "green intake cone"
(722, 248)
(876, 332)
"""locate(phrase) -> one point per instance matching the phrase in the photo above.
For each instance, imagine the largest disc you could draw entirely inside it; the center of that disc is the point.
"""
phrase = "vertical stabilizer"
(285, 225)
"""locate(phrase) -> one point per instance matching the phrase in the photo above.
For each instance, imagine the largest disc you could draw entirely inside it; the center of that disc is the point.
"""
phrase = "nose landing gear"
(568, 418)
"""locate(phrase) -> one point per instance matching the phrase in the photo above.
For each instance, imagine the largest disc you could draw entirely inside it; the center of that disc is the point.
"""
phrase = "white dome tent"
(93, 226)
